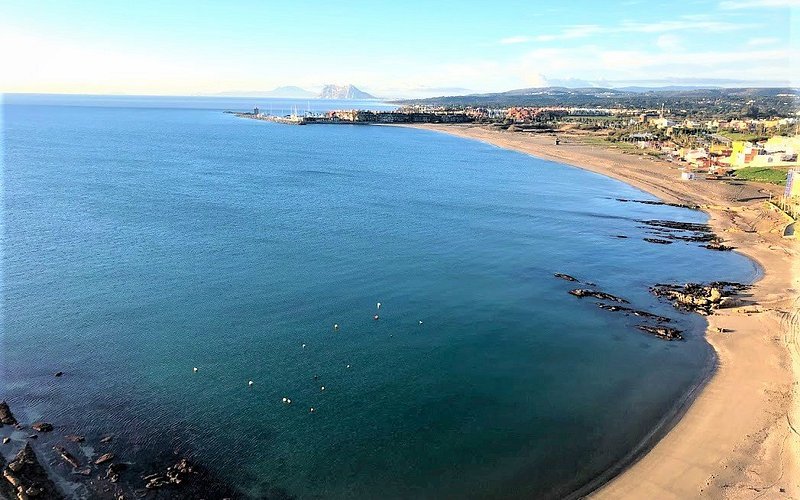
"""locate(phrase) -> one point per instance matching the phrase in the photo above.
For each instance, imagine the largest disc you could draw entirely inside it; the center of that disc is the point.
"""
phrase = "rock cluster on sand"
(25, 478)
(698, 297)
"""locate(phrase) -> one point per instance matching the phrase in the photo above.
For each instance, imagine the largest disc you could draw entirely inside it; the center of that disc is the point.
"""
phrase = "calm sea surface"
(143, 237)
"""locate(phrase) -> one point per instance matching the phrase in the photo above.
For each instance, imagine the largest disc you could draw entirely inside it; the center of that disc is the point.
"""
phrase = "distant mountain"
(287, 92)
(343, 92)
(773, 101)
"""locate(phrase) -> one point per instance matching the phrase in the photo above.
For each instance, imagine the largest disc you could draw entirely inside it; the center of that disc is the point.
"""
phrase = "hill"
(343, 92)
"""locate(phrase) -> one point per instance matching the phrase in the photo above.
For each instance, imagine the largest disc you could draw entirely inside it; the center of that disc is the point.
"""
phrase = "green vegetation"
(762, 174)
(739, 136)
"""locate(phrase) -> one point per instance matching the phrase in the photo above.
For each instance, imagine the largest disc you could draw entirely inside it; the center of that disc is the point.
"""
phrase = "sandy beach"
(739, 437)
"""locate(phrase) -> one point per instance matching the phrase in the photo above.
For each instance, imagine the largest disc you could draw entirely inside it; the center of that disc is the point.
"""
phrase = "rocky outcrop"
(635, 312)
(565, 277)
(649, 202)
(716, 245)
(42, 426)
(698, 297)
(6, 417)
(66, 456)
(584, 292)
(661, 332)
(106, 457)
(28, 479)
(187, 480)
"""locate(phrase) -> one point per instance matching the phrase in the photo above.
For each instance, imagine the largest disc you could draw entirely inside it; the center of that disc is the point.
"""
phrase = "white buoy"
(288, 401)
(420, 322)
(336, 326)
(284, 400)
(304, 346)
(376, 317)
(312, 410)
(322, 388)
(379, 305)
(250, 383)
(348, 366)
(195, 369)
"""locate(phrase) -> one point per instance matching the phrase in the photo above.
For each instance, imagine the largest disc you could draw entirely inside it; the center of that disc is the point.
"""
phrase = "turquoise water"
(143, 237)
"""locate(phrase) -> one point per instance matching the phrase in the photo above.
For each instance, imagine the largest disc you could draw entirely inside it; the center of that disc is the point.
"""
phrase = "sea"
(144, 237)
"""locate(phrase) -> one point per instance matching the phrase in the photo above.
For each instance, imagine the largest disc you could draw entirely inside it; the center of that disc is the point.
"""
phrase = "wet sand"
(739, 437)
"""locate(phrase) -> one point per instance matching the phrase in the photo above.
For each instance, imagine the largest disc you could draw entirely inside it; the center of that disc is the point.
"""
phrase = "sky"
(408, 48)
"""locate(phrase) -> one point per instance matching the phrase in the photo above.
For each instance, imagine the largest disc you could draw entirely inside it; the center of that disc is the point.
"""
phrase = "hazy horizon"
(392, 51)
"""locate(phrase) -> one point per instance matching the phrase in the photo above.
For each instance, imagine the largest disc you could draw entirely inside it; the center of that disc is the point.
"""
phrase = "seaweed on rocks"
(657, 241)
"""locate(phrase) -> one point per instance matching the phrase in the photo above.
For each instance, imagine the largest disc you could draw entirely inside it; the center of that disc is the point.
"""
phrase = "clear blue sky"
(390, 48)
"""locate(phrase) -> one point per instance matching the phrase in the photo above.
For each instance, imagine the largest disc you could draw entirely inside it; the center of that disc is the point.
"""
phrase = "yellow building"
(783, 144)
(742, 153)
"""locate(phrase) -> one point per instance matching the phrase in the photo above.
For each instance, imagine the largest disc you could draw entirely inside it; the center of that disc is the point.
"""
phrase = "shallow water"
(143, 238)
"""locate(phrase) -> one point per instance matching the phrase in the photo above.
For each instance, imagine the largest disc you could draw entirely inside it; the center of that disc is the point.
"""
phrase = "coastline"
(733, 435)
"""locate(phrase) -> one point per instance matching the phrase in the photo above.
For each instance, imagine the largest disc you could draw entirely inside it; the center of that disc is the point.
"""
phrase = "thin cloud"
(757, 4)
(688, 23)
(759, 42)
(515, 39)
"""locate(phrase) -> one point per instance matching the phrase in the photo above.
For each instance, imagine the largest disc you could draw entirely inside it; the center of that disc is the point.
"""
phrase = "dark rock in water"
(635, 312)
(620, 236)
(565, 277)
(27, 476)
(658, 241)
(583, 292)
(648, 202)
(698, 297)
(58, 374)
(74, 438)
(33, 436)
(86, 471)
(42, 426)
(186, 480)
(718, 246)
(683, 226)
(66, 456)
(6, 417)
(662, 332)
(107, 457)
(107, 439)
(112, 474)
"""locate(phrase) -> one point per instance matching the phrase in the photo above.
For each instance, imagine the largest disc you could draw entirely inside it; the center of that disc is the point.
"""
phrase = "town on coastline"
(744, 146)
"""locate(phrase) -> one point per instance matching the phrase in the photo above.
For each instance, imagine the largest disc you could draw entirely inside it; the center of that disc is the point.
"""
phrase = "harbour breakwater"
(359, 117)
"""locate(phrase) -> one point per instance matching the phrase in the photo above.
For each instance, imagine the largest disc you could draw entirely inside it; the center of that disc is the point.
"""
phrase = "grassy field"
(762, 174)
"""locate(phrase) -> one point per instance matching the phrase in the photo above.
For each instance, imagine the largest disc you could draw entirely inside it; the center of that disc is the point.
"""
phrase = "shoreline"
(731, 436)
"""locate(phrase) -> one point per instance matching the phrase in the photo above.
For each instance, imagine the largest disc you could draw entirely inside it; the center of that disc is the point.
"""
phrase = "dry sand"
(739, 438)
